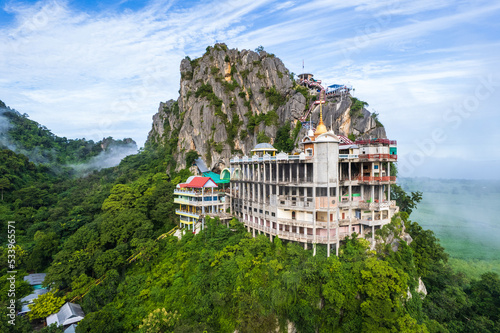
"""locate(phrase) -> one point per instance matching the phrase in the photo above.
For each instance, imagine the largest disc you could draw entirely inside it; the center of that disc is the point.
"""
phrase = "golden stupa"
(321, 127)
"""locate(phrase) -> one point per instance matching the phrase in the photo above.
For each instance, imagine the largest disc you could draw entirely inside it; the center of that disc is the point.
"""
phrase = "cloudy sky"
(431, 69)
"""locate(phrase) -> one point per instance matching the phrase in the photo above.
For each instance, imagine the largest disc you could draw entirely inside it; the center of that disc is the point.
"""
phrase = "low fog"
(462, 213)
(109, 157)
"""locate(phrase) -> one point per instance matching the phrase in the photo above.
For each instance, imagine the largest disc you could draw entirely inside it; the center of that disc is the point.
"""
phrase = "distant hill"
(25, 136)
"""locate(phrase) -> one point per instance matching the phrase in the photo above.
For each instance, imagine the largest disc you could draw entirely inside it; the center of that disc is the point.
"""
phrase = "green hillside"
(82, 231)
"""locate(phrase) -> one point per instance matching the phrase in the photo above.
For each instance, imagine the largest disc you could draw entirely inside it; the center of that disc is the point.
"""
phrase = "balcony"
(192, 192)
(370, 223)
(186, 213)
(197, 203)
(298, 237)
(378, 157)
(377, 205)
(374, 180)
(376, 141)
(348, 156)
(294, 202)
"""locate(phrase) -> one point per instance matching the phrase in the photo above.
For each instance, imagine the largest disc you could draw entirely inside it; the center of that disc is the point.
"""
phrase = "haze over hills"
(25, 136)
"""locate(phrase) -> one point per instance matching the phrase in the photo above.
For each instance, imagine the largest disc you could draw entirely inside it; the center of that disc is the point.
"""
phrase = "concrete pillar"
(213, 206)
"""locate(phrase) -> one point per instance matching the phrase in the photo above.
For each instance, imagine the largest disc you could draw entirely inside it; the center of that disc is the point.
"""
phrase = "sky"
(430, 69)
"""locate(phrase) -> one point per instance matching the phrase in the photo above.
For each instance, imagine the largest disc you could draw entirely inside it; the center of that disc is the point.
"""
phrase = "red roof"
(199, 182)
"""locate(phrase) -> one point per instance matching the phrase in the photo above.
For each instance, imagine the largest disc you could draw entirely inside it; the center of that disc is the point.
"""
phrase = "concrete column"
(213, 206)
(338, 240)
(298, 173)
(277, 172)
(290, 166)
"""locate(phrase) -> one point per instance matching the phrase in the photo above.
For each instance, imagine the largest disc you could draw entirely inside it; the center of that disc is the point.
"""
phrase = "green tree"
(4, 184)
(283, 140)
(159, 321)
(45, 305)
(262, 137)
(405, 202)
(191, 156)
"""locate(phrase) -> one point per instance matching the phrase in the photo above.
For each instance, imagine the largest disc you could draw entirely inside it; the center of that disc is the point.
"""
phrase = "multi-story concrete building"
(333, 188)
(198, 197)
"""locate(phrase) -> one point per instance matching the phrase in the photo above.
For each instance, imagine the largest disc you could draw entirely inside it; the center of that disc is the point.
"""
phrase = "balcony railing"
(376, 179)
(198, 203)
(378, 157)
(296, 236)
(348, 156)
(186, 213)
(207, 192)
(382, 141)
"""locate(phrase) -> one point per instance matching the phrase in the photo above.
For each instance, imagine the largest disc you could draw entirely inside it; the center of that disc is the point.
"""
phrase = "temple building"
(333, 188)
(197, 198)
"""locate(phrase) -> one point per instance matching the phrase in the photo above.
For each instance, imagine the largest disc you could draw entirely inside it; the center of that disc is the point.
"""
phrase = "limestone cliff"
(227, 97)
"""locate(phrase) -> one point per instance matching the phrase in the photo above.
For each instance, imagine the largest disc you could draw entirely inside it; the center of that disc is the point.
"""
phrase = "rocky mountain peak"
(230, 100)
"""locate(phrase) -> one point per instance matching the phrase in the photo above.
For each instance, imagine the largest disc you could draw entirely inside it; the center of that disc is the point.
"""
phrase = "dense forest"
(81, 229)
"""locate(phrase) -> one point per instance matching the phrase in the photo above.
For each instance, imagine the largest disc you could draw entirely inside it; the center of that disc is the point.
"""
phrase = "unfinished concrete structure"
(333, 188)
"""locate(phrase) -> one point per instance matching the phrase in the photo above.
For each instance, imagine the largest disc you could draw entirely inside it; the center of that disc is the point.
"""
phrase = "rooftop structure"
(69, 313)
(35, 279)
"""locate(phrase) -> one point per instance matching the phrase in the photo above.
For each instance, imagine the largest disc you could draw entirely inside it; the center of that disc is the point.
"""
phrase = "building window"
(375, 166)
(309, 152)
(293, 215)
(321, 191)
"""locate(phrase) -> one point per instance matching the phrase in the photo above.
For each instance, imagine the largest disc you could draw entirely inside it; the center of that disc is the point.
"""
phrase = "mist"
(106, 159)
(113, 151)
(462, 214)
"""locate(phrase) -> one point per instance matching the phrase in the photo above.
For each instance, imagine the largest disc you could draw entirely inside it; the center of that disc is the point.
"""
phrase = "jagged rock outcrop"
(227, 97)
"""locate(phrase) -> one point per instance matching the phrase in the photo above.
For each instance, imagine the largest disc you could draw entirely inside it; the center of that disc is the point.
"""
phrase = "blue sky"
(430, 69)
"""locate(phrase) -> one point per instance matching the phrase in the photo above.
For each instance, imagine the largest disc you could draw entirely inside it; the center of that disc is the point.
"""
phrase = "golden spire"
(321, 127)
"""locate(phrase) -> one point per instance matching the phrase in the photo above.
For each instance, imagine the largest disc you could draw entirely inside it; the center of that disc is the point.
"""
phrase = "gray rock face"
(228, 96)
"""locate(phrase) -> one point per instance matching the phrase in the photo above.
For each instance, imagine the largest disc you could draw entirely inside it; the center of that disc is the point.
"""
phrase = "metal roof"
(264, 146)
(34, 279)
(70, 329)
(216, 177)
(199, 182)
(34, 295)
(70, 313)
(201, 165)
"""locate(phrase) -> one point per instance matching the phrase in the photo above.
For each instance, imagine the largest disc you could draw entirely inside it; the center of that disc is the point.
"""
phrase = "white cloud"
(95, 74)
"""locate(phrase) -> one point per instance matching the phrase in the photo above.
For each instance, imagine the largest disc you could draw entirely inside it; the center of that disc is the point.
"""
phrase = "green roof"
(215, 177)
